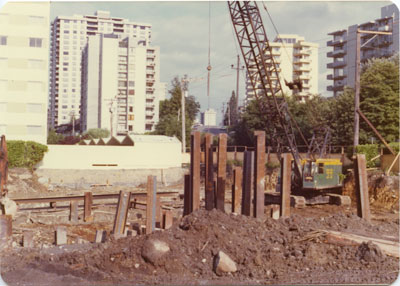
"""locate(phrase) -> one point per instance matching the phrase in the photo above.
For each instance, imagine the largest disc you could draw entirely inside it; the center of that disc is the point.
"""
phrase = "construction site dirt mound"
(383, 190)
(266, 251)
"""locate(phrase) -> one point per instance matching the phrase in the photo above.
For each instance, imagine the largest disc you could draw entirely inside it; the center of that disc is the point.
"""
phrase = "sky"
(181, 30)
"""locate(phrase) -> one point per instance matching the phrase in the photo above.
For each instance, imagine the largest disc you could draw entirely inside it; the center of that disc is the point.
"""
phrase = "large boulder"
(9, 206)
(153, 251)
(223, 264)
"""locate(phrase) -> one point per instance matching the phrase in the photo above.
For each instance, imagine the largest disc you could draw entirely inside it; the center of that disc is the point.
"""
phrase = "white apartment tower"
(208, 117)
(372, 46)
(121, 85)
(296, 60)
(24, 73)
(69, 38)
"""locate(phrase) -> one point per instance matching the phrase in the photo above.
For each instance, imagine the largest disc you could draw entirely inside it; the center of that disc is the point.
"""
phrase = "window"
(130, 127)
(65, 69)
(34, 107)
(3, 40)
(36, 20)
(64, 106)
(320, 168)
(131, 83)
(131, 117)
(3, 62)
(34, 129)
(65, 53)
(66, 32)
(36, 64)
(122, 83)
(35, 42)
(130, 108)
(75, 32)
(35, 86)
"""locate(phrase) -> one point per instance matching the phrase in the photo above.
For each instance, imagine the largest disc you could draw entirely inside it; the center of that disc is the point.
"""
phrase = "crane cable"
(278, 35)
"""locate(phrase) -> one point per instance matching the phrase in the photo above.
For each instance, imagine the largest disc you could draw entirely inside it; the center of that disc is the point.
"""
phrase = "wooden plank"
(387, 246)
(362, 195)
(209, 176)
(87, 211)
(121, 213)
(151, 204)
(195, 152)
(286, 177)
(248, 171)
(259, 174)
(221, 172)
(237, 189)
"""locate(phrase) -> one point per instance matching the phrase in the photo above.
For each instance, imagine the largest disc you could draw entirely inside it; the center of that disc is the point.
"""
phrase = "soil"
(266, 251)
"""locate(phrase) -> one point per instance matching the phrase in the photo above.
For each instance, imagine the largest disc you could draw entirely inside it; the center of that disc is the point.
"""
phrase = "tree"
(96, 133)
(341, 118)
(53, 137)
(379, 98)
(231, 114)
(252, 119)
(170, 118)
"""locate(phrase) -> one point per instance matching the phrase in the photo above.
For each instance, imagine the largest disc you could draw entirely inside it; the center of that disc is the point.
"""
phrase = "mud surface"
(291, 250)
(266, 252)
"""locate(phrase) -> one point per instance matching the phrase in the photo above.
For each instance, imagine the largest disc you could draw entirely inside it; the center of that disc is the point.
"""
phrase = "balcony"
(337, 77)
(335, 88)
(338, 42)
(336, 53)
(301, 52)
(335, 65)
(302, 68)
(304, 77)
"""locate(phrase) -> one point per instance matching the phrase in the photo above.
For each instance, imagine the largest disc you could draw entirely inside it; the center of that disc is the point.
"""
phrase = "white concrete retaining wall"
(144, 155)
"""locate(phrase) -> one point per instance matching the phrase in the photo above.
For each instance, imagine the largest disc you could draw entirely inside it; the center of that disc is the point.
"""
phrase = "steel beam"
(209, 176)
(195, 169)
(151, 204)
(221, 172)
(360, 171)
(3, 165)
(122, 213)
(259, 174)
(73, 211)
(187, 196)
(248, 171)
(237, 189)
(286, 177)
(88, 202)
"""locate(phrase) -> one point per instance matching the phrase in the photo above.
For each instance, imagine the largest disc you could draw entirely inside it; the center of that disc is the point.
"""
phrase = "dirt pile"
(383, 190)
(265, 252)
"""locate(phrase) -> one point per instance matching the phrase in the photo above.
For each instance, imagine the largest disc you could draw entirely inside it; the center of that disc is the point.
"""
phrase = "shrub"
(370, 151)
(24, 154)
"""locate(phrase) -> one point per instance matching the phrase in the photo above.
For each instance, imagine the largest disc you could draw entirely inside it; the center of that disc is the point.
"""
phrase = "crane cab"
(321, 174)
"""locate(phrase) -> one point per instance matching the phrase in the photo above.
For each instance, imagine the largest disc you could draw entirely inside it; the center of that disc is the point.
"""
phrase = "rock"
(9, 206)
(153, 250)
(223, 264)
(43, 180)
(369, 251)
(25, 176)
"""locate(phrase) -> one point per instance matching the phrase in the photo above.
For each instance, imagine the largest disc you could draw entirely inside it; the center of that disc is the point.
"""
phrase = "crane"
(309, 173)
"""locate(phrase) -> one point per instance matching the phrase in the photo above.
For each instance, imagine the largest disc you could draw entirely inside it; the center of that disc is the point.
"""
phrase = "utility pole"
(238, 68)
(357, 83)
(183, 95)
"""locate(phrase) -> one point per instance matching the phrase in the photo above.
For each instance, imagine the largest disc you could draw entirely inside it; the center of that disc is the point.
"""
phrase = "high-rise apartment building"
(296, 60)
(372, 46)
(121, 85)
(208, 117)
(69, 38)
(24, 73)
